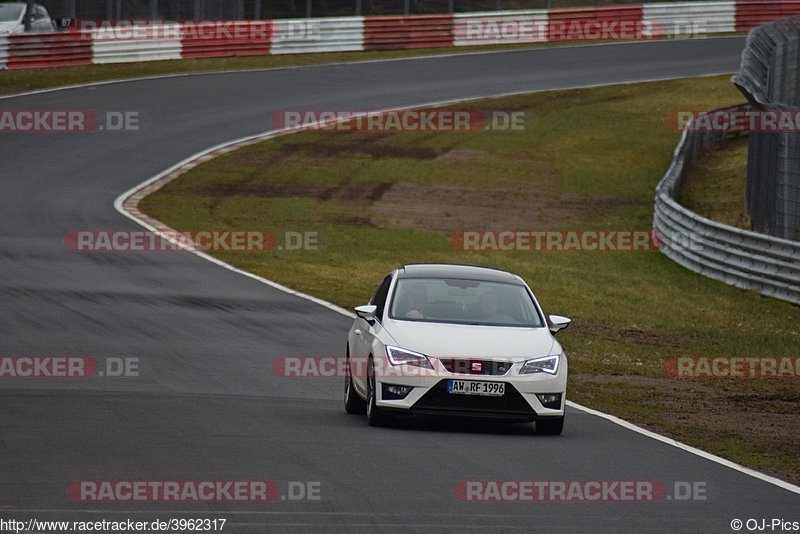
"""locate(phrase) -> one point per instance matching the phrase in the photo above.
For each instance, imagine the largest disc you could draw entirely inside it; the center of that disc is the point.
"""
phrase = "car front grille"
(476, 367)
(438, 399)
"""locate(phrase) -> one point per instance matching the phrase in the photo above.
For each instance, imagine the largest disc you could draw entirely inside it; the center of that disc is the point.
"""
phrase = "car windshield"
(10, 12)
(459, 301)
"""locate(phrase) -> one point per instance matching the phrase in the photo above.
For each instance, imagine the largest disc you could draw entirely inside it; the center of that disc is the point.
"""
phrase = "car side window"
(379, 299)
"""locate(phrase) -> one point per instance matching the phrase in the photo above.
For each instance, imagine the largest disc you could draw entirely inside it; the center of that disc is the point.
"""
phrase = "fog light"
(394, 392)
(550, 400)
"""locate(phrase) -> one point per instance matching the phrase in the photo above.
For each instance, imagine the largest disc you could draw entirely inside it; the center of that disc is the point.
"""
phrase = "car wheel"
(353, 403)
(375, 416)
(550, 427)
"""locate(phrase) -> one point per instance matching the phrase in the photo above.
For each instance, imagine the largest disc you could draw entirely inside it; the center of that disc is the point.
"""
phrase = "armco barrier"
(689, 18)
(755, 12)
(149, 43)
(768, 77)
(615, 22)
(491, 27)
(339, 34)
(738, 257)
(226, 38)
(421, 31)
(26, 51)
(342, 34)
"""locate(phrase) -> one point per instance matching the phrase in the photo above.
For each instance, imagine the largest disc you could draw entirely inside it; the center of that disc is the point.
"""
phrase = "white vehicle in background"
(456, 341)
(12, 18)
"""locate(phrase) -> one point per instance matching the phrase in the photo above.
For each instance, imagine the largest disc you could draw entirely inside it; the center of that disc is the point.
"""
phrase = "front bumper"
(430, 396)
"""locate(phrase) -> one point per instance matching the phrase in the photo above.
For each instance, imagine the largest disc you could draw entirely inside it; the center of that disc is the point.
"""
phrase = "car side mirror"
(367, 311)
(558, 323)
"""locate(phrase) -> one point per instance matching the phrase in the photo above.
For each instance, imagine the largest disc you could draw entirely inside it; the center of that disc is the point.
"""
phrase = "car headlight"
(398, 356)
(545, 364)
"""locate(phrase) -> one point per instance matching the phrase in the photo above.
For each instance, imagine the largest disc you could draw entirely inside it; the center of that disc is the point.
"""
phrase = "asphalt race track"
(207, 406)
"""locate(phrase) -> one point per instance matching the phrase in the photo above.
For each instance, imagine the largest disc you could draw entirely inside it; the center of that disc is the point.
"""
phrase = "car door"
(364, 336)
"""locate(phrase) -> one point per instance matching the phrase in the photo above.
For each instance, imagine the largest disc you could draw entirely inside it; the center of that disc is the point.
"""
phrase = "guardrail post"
(28, 14)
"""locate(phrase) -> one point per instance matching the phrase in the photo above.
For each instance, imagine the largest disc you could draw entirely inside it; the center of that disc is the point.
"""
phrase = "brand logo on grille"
(477, 367)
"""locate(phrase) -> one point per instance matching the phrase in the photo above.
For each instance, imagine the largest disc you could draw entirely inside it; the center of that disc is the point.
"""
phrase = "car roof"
(464, 272)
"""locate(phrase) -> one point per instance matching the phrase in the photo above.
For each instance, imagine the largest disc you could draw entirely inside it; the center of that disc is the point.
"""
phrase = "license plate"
(472, 387)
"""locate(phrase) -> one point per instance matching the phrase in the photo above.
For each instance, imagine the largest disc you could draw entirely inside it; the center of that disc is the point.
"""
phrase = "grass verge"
(587, 159)
(716, 187)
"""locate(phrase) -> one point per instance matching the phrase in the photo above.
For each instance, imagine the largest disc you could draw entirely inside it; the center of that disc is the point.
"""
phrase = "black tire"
(550, 427)
(375, 417)
(353, 403)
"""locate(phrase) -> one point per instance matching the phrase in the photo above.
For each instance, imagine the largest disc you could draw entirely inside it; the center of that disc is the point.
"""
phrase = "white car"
(12, 18)
(455, 340)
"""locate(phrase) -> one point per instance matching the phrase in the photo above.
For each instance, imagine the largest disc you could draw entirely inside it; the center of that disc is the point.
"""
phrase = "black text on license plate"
(472, 387)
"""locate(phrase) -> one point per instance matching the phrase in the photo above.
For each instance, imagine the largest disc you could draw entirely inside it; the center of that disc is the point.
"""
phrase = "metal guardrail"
(737, 257)
(280, 9)
(770, 80)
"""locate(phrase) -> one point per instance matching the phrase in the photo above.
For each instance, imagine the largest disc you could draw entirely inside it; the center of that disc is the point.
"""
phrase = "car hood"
(469, 341)
(10, 27)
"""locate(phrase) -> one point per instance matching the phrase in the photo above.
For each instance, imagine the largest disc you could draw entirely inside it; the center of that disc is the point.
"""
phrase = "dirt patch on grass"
(634, 334)
(438, 207)
(463, 154)
(447, 208)
(366, 144)
(361, 193)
